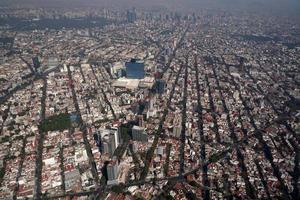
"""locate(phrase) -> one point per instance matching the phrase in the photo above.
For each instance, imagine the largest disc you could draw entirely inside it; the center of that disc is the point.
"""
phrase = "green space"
(118, 189)
(2, 80)
(56, 123)
(4, 139)
(2, 173)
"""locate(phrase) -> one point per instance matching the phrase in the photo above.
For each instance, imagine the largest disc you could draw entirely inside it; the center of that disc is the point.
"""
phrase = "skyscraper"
(139, 134)
(160, 86)
(177, 127)
(131, 15)
(108, 145)
(112, 173)
(109, 141)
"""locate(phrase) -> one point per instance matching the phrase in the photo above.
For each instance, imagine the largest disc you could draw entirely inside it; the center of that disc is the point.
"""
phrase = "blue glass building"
(135, 69)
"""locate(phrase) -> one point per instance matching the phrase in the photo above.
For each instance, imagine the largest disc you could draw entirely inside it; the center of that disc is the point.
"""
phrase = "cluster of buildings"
(205, 89)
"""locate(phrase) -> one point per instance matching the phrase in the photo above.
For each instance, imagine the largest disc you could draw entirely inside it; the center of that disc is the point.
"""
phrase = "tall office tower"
(159, 150)
(112, 173)
(110, 139)
(152, 102)
(97, 138)
(160, 86)
(131, 16)
(139, 134)
(141, 120)
(117, 134)
(177, 131)
(113, 131)
(108, 144)
(177, 127)
(128, 16)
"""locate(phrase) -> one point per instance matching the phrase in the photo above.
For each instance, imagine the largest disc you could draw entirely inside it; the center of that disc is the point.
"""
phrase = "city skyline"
(273, 7)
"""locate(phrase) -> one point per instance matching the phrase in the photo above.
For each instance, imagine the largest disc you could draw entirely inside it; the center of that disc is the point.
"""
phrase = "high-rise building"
(112, 173)
(113, 132)
(159, 150)
(160, 86)
(135, 69)
(177, 127)
(108, 145)
(139, 134)
(177, 131)
(131, 16)
(140, 119)
(107, 140)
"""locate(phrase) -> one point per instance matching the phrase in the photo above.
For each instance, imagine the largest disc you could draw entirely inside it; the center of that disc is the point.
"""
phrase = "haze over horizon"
(277, 7)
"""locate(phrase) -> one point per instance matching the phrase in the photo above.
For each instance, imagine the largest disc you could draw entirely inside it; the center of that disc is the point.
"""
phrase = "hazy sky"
(275, 6)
